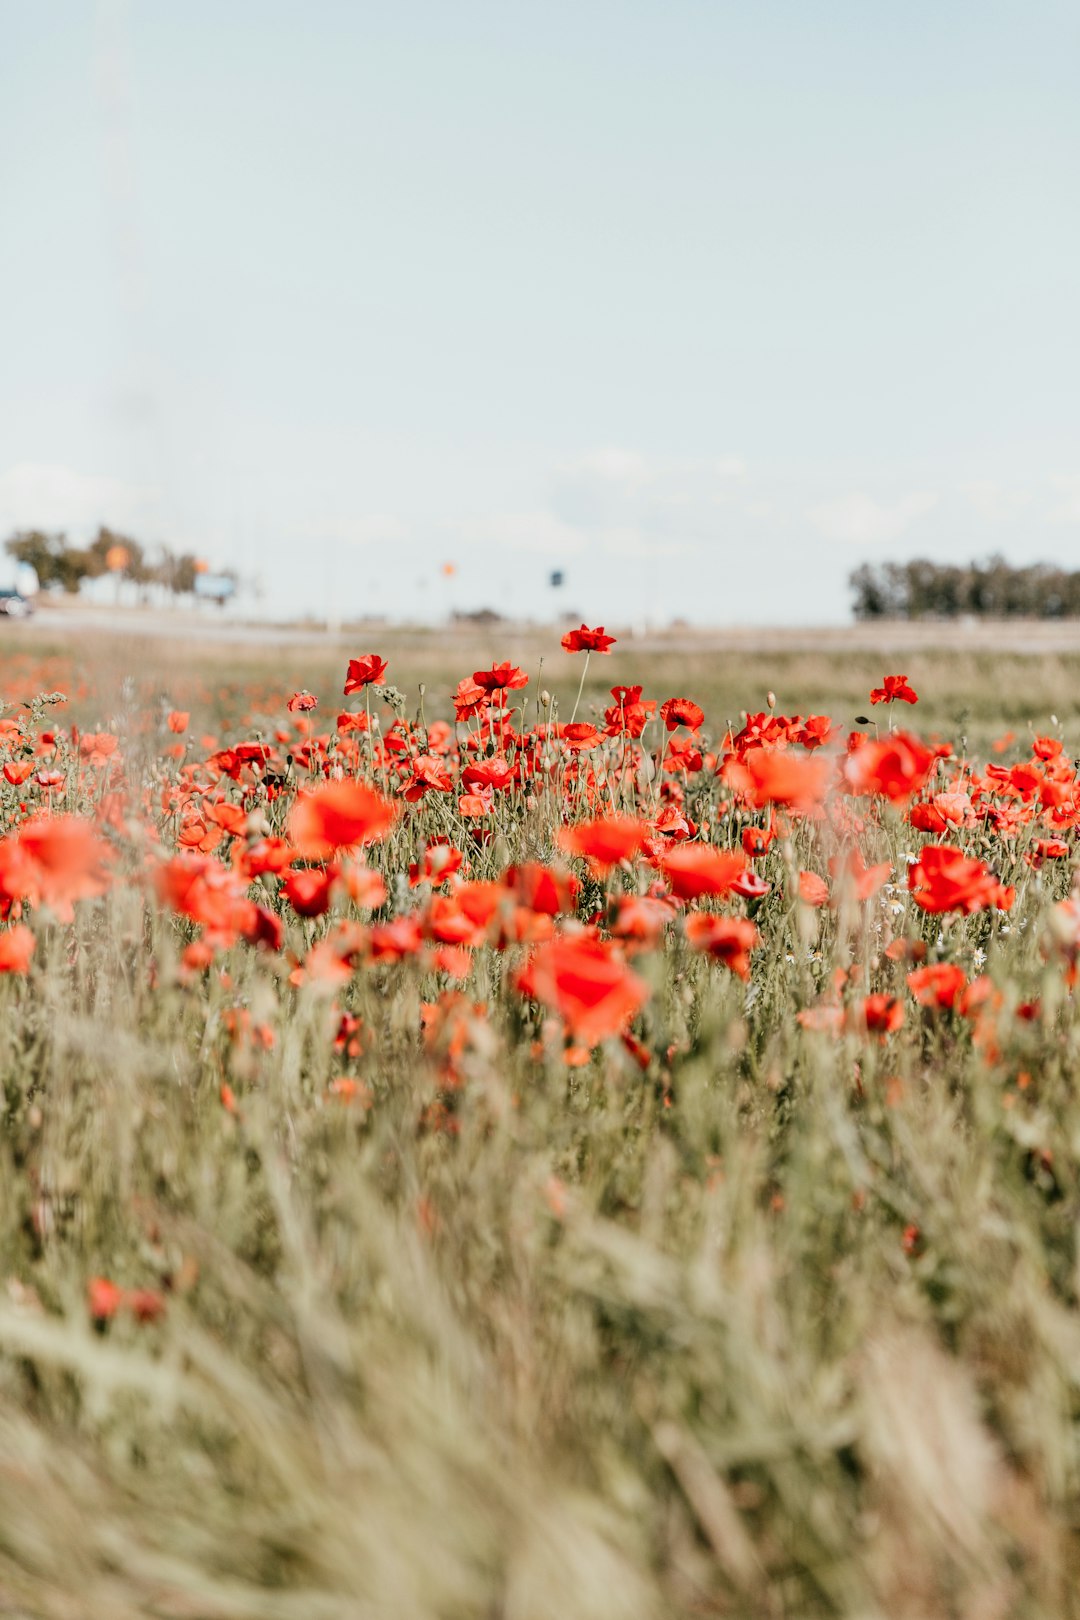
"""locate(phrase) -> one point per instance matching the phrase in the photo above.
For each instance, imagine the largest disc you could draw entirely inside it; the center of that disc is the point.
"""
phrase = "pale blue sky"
(704, 303)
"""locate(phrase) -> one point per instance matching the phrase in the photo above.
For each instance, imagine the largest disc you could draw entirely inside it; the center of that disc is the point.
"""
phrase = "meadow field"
(496, 1129)
(979, 678)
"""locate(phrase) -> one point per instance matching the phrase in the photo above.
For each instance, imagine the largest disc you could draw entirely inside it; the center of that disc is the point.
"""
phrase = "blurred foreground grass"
(594, 1345)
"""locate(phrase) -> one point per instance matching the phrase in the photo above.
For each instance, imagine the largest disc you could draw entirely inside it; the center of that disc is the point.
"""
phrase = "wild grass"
(976, 681)
(780, 1324)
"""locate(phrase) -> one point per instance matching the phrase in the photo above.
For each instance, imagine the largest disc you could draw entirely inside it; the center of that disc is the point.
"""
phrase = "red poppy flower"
(16, 948)
(370, 670)
(940, 984)
(441, 860)
(815, 731)
(640, 919)
(347, 721)
(301, 702)
(338, 815)
(693, 870)
(750, 885)
(267, 855)
(145, 1304)
(672, 824)
(585, 640)
(1047, 849)
(364, 887)
(927, 818)
(98, 746)
(605, 842)
(200, 887)
(546, 890)
(447, 924)
(67, 861)
(728, 939)
(945, 879)
(587, 983)
(501, 678)
(194, 833)
(896, 766)
(682, 754)
(813, 889)
(756, 840)
(177, 720)
(895, 687)
(308, 890)
(104, 1298)
(469, 699)
(681, 712)
(393, 941)
(879, 1014)
(776, 776)
(629, 714)
(494, 772)
(429, 776)
(579, 735)
(473, 806)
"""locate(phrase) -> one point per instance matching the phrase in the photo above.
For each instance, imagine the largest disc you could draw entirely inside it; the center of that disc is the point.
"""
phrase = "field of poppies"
(519, 1152)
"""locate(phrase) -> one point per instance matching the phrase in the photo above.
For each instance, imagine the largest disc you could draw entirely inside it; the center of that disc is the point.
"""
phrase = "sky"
(701, 303)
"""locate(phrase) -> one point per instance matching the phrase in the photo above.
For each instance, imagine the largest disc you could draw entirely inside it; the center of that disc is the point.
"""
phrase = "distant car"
(14, 604)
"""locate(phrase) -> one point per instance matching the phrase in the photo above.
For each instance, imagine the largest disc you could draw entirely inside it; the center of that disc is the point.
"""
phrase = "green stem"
(581, 688)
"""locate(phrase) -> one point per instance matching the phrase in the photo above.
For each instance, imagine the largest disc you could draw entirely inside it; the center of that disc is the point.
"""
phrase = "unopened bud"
(770, 698)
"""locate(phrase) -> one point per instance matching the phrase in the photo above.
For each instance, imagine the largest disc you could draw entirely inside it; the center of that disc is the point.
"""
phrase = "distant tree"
(61, 566)
(477, 616)
(108, 540)
(921, 589)
(57, 565)
(880, 592)
(177, 573)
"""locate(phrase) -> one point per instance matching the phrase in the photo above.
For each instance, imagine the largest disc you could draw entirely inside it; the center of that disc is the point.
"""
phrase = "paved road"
(57, 622)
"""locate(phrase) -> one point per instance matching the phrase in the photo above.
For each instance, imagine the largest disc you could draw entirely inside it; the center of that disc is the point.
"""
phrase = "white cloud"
(42, 496)
(858, 520)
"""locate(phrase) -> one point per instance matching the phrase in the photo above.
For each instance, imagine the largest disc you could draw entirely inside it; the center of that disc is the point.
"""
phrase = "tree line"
(993, 589)
(59, 565)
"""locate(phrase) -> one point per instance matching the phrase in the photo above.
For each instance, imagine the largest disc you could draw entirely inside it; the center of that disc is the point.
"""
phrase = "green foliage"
(993, 589)
(62, 566)
(57, 565)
